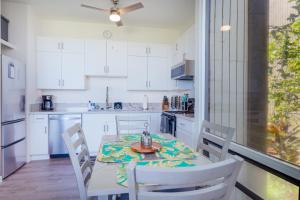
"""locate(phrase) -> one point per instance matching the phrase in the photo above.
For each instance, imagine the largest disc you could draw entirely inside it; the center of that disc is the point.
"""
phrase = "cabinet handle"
(59, 82)
(46, 130)
(62, 45)
(149, 83)
(107, 129)
(146, 50)
(58, 45)
(39, 118)
(107, 69)
(104, 128)
(149, 50)
(63, 82)
(146, 84)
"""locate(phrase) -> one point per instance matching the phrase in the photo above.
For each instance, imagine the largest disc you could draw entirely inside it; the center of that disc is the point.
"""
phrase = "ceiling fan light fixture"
(114, 16)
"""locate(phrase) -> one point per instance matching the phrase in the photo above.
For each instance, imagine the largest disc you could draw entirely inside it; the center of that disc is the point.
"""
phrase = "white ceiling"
(170, 14)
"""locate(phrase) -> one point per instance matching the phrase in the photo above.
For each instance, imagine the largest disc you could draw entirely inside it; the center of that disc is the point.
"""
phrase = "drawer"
(185, 124)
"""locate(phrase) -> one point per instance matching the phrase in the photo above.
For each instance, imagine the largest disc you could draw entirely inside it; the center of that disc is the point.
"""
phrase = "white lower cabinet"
(97, 125)
(185, 131)
(38, 136)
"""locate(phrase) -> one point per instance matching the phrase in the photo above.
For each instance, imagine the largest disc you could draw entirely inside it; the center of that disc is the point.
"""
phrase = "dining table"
(104, 180)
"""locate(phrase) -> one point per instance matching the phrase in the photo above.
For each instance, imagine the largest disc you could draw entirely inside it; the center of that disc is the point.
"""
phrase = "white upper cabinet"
(137, 49)
(137, 73)
(106, 58)
(149, 67)
(72, 71)
(49, 44)
(60, 63)
(159, 73)
(95, 57)
(189, 43)
(158, 50)
(48, 65)
(184, 47)
(116, 58)
(73, 46)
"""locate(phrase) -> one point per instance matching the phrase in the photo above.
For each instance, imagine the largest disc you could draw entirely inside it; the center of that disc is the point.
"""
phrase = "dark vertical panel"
(257, 73)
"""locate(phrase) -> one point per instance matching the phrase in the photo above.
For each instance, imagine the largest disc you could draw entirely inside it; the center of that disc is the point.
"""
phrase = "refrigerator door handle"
(12, 122)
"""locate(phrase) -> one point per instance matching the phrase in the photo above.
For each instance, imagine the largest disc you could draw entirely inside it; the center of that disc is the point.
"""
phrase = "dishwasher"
(58, 124)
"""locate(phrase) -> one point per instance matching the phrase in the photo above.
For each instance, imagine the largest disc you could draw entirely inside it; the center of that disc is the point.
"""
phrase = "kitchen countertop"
(73, 109)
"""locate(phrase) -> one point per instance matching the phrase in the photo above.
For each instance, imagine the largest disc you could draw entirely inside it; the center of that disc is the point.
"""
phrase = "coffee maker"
(47, 103)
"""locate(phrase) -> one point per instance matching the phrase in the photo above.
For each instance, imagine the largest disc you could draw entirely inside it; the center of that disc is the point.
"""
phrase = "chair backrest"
(217, 134)
(132, 124)
(79, 154)
(218, 178)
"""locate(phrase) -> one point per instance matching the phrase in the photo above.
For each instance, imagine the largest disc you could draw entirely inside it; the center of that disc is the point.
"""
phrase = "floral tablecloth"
(120, 151)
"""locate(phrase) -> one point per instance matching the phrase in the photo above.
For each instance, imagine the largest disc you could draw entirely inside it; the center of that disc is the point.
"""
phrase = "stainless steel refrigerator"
(13, 127)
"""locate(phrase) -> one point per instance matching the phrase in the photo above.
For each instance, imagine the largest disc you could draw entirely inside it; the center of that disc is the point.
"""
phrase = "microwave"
(184, 70)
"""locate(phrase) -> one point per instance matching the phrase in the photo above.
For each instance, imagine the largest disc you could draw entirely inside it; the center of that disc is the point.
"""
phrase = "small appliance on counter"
(118, 106)
(47, 103)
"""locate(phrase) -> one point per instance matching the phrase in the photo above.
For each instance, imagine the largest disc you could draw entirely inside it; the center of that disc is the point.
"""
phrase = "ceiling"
(169, 14)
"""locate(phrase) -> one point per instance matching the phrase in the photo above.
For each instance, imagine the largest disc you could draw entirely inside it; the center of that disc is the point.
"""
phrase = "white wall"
(96, 85)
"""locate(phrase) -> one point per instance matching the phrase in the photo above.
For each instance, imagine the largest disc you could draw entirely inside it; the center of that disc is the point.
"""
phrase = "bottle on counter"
(165, 104)
(145, 102)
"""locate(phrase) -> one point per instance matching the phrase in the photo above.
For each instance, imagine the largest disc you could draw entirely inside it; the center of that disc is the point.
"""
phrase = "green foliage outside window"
(284, 89)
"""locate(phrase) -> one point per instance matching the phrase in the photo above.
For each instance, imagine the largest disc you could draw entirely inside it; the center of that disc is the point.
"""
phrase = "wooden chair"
(79, 154)
(220, 135)
(132, 124)
(225, 172)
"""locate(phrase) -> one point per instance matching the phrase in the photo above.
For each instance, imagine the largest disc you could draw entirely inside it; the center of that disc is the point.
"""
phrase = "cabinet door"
(155, 122)
(48, 70)
(159, 73)
(137, 73)
(110, 124)
(158, 50)
(94, 127)
(116, 58)
(189, 43)
(72, 46)
(49, 44)
(73, 71)
(137, 49)
(95, 57)
(38, 134)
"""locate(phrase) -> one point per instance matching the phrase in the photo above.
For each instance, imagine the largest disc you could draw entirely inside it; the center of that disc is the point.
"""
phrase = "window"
(254, 74)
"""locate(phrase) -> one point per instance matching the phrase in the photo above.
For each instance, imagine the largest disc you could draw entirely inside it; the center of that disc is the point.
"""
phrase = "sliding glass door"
(254, 77)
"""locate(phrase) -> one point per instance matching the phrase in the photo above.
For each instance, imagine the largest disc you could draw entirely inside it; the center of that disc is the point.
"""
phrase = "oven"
(168, 123)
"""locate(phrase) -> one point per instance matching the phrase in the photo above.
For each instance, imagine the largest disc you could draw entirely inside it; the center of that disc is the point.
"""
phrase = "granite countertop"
(82, 109)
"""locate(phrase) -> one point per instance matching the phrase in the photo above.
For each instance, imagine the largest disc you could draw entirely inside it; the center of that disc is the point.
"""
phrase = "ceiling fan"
(115, 11)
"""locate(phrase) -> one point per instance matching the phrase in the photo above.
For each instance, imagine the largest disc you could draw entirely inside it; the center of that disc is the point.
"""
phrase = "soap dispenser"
(145, 102)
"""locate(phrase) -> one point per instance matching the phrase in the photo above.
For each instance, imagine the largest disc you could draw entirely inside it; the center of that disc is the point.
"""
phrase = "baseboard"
(39, 157)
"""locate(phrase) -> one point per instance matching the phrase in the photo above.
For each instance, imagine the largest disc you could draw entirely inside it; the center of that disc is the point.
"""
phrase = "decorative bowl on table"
(138, 147)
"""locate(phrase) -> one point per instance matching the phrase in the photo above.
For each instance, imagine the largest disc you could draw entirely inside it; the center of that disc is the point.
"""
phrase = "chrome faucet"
(106, 99)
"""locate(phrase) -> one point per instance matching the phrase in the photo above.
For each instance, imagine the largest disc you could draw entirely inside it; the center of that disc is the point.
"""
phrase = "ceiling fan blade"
(131, 8)
(119, 23)
(94, 8)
